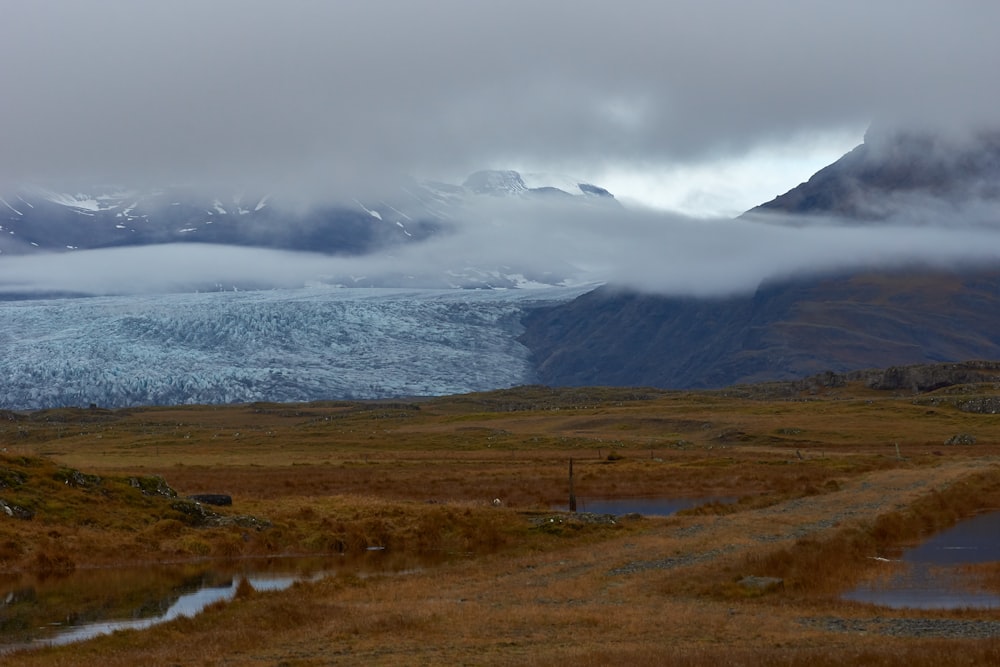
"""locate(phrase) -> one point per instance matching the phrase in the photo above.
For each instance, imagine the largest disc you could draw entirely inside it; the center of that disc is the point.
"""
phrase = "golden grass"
(821, 490)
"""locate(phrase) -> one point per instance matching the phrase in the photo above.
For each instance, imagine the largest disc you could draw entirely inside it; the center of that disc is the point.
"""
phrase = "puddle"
(931, 575)
(645, 506)
(190, 604)
(60, 610)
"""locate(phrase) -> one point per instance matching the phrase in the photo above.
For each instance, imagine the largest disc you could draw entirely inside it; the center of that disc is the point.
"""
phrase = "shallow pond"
(656, 506)
(61, 609)
(935, 574)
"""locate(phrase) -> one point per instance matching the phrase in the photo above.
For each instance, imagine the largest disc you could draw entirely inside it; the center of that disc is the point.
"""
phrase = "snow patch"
(4, 202)
(396, 210)
(374, 214)
(77, 201)
(546, 180)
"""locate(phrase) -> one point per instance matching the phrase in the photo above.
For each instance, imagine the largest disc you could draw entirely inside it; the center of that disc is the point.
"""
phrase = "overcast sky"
(707, 107)
(701, 108)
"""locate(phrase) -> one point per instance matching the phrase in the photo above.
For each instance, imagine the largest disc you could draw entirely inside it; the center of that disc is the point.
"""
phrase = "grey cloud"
(646, 250)
(332, 98)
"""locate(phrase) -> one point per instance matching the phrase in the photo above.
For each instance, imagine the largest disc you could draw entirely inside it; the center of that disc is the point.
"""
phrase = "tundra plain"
(828, 482)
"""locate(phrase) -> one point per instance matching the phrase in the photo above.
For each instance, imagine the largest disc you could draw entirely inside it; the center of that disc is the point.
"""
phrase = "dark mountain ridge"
(895, 169)
(803, 326)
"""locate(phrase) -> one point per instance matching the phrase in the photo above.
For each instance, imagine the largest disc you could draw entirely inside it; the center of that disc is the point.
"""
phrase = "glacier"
(306, 344)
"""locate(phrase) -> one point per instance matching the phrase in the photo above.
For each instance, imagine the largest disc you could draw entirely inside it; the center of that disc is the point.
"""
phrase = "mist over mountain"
(415, 234)
(902, 172)
(387, 144)
(688, 303)
(835, 319)
(38, 219)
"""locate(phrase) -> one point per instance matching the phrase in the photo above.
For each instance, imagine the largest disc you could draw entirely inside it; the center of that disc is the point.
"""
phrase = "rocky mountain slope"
(897, 171)
(802, 326)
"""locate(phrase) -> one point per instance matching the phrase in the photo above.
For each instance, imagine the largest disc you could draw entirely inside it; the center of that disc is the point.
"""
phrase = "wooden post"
(572, 494)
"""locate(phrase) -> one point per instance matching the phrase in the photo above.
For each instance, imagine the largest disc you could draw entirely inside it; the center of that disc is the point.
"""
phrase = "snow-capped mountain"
(44, 220)
(36, 219)
(507, 183)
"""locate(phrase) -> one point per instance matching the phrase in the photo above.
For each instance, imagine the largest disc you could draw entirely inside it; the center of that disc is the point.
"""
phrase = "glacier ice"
(281, 345)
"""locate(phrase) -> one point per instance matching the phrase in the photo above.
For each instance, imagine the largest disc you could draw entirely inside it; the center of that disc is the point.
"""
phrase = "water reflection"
(83, 604)
(655, 506)
(186, 605)
(930, 575)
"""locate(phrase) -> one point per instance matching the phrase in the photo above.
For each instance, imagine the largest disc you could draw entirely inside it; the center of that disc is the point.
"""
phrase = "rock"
(154, 485)
(218, 499)
(961, 439)
(928, 377)
(983, 405)
(16, 511)
(77, 479)
(193, 512)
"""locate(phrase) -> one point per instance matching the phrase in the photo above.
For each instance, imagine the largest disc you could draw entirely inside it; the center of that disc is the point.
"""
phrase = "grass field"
(826, 481)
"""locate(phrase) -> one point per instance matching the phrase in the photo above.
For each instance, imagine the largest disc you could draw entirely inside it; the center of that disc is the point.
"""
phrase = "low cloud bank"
(643, 249)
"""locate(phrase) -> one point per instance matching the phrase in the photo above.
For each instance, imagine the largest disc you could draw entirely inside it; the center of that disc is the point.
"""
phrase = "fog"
(647, 250)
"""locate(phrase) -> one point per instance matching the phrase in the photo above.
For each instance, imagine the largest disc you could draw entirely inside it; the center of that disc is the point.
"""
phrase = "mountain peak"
(509, 182)
(495, 182)
(897, 167)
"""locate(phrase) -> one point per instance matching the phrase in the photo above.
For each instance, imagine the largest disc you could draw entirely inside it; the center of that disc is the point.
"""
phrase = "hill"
(803, 325)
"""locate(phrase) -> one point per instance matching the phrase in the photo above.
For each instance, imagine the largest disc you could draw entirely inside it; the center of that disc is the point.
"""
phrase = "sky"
(697, 107)
(335, 98)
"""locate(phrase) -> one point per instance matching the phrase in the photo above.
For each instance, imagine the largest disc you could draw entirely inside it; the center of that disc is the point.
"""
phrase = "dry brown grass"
(820, 485)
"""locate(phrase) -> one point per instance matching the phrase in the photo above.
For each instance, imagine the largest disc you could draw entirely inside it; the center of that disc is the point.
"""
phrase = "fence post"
(572, 494)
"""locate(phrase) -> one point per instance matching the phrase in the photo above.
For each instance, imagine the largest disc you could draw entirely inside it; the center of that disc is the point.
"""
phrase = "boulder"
(217, 499)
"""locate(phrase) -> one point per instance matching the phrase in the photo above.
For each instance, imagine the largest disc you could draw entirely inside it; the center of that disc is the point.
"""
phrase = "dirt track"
(620, 586)
(858, 500)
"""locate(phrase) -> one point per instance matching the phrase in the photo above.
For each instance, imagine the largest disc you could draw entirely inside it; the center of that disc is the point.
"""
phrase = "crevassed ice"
(282, 345)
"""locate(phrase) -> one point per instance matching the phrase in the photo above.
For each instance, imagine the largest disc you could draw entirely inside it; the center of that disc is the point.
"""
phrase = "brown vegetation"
(826, 480)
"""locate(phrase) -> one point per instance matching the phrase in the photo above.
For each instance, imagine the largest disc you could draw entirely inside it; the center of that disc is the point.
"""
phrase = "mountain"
(782, 331)
(506, 183)
(34, 219)
(798, 327)
(896, 171)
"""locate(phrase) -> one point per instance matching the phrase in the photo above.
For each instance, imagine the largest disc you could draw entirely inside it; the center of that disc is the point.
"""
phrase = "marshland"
(441, 520)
